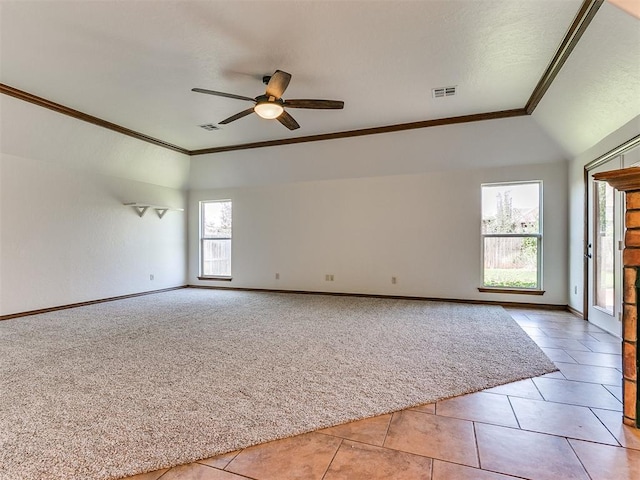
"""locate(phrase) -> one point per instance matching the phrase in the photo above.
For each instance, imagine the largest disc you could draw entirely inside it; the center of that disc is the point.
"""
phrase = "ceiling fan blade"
(222, 94)
(237, 116)
(317, 104)
(278, 84)
(288, 121)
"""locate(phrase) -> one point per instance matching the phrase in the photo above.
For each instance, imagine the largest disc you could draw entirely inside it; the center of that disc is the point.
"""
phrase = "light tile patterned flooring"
(564, 425)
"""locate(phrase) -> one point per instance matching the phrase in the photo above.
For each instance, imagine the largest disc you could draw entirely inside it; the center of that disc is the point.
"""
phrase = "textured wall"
(65, 236)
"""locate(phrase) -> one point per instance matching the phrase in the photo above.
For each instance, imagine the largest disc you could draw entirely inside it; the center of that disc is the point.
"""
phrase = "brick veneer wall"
(631, 261)
(628, 181)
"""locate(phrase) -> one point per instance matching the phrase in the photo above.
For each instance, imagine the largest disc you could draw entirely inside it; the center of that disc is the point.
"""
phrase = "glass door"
(603, 251)
(604, 247)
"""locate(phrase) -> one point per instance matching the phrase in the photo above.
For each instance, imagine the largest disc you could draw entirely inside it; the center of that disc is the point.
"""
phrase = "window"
(215, 239)
(512, 235)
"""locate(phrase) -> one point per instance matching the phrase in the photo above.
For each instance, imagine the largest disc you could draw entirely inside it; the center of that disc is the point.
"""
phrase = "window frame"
(204, 238)
(538, 288)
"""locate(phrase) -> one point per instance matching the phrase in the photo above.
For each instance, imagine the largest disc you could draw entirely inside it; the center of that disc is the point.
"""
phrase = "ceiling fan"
(271, 105)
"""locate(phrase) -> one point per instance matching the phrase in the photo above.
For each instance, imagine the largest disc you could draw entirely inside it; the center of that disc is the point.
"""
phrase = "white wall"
(404, 204)
(65, 236)
(363, 209)
(422, 228)
(576, 207)
(30, 131)
(504, 142)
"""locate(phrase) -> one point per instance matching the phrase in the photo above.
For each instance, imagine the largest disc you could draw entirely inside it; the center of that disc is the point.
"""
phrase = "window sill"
(517, 291)
(217, 279)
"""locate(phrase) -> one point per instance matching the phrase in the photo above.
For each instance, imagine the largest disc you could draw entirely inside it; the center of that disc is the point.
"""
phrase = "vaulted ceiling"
(134, 63)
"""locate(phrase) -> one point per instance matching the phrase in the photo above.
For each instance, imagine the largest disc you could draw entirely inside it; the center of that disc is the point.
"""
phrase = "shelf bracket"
(140, 210)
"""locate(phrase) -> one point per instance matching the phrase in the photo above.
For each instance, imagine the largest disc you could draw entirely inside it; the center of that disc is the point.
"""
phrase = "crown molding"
(56, 107)
(518, 112)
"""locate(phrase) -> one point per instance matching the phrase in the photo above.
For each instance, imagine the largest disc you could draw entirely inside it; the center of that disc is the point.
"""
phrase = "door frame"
(619, 150)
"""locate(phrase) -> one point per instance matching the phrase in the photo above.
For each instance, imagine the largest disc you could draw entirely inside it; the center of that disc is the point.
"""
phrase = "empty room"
(319, 240)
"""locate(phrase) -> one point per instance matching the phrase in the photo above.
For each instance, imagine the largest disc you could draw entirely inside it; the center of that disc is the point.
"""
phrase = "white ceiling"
(134, 63)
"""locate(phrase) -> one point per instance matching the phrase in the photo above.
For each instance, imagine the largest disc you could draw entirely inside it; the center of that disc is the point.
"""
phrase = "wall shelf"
(141, 208)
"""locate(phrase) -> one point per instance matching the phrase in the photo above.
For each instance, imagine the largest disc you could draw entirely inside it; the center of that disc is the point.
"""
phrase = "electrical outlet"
(277, 276)
(394, 280)
(328, 278)
(151, 276)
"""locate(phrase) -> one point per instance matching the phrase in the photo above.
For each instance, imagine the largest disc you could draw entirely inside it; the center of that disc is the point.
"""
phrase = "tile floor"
(564, 425)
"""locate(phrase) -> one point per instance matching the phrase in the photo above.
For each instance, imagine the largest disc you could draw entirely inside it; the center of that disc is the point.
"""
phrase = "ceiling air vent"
(443, 92)
(209, 126)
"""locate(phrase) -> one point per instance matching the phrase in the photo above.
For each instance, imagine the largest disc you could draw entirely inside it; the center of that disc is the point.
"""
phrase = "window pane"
(216, 219)
(216, 258)
(513, 208)
(604, 246)
(511, 262)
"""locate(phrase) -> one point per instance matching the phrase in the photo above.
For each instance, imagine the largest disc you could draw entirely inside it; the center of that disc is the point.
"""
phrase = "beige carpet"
(129, 386)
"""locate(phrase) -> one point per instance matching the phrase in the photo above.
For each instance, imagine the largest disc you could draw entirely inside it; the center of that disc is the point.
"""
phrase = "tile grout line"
(433, 460)
(587, 346)
(223, 470)
(533, 380)
(475, 438)
(386, 433)
(508, 475)
(579, 459)
(608, 387)
(234, 457)
(125, 478)
(351, 440)
(606, 427)
(333, 458)
(571, 356)
(515, 415)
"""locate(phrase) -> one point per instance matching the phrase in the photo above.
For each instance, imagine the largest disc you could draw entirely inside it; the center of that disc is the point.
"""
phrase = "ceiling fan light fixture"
(271, 104)
(268, 110)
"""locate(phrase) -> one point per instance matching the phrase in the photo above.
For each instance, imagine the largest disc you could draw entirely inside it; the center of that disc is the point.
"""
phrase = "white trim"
(538, 235)
(202, 239)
